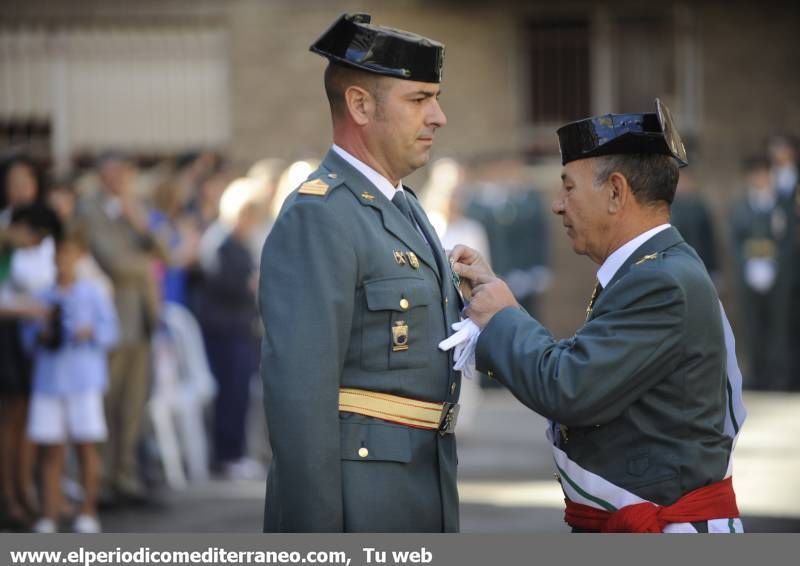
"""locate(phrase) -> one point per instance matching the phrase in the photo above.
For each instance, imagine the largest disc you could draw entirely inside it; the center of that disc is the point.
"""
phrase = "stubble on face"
(407, 122)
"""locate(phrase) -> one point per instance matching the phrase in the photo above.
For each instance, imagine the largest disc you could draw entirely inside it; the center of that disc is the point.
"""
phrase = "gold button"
(445, 300)
(490, 373)
(331, 175)
(453, 388)
(363, 452)
(404, 304)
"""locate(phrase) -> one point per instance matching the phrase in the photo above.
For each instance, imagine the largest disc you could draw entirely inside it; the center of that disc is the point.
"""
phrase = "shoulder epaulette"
(322, 183)
(317, 187)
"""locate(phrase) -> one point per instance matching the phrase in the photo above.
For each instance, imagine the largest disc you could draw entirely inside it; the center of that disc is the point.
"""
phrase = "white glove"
(760, 273)
(464, 341)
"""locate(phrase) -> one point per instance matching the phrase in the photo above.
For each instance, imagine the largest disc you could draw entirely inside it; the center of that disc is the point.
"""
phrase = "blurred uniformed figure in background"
(355, 294)
(689, 213)
(514, 216)
(515, 219)
(783, 161)
(783, 156)
(761, 237)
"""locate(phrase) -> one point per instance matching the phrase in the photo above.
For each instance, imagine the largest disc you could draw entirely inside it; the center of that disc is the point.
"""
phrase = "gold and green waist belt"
(400, 410)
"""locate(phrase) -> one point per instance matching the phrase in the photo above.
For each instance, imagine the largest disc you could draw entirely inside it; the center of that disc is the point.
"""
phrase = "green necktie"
(400, 201)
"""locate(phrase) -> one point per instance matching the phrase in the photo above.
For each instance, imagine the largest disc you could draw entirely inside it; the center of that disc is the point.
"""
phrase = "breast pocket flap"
(399, 294)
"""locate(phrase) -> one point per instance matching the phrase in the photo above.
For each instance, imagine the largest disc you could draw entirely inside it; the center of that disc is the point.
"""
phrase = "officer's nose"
(558, 205)
(437, 119)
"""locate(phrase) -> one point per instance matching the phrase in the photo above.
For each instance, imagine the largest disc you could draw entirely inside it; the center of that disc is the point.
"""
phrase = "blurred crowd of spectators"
(128, 315)
(127, 300)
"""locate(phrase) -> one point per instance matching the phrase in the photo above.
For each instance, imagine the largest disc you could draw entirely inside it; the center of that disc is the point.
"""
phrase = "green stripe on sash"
(730, 409)
(601, 502)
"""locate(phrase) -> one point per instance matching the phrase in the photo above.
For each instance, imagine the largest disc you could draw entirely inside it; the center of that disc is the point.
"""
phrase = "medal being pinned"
(457, 283)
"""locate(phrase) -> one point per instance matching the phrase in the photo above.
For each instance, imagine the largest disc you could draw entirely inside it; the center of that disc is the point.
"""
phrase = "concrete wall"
(279, 106)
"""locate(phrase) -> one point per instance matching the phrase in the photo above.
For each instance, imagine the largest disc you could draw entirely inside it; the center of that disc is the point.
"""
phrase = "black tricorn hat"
(354, 42)
(614, 134)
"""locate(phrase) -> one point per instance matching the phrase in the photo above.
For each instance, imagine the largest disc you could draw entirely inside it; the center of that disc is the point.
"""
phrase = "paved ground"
(506, 480)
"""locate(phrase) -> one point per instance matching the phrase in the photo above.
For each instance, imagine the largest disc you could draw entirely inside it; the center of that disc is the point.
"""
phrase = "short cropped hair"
(652, 177)
(338, 78)
(756, 163)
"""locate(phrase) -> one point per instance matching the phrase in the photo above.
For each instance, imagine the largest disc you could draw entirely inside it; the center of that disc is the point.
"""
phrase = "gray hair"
(652, 177)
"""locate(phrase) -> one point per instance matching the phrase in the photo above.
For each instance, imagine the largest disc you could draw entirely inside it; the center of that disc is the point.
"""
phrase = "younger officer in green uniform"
(641, 391)
(355, 294)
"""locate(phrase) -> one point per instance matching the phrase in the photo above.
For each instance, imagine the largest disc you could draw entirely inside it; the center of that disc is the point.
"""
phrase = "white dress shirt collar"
(613, 262)
(380, 182)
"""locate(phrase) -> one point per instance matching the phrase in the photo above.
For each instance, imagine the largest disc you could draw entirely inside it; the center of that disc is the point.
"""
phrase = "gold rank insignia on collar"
(648, 257)
(399, 257)
(317, 187)
(367, 196)
(412, 259)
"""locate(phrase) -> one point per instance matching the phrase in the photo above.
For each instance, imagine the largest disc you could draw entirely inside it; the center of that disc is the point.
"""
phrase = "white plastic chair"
(184, 388)
(161, 407)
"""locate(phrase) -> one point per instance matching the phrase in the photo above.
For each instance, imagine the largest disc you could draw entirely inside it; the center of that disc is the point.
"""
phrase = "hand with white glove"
(464, 341)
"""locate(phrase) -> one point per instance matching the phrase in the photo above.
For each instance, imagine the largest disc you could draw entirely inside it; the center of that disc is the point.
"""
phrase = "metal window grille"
(559, 70)
(151, 89)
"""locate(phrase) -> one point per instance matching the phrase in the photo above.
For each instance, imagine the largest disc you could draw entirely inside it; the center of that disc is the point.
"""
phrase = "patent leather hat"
(353, 41)
(613, 134)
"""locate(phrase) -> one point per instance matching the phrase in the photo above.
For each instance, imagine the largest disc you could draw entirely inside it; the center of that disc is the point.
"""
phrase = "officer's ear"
(619, 192)
(360, 104)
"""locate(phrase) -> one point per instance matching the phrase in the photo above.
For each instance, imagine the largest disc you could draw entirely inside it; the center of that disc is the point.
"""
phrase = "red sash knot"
(715, 501)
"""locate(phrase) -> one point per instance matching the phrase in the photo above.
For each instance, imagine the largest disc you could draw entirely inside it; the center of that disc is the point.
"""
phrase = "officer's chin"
(577, 247)
(422, 159)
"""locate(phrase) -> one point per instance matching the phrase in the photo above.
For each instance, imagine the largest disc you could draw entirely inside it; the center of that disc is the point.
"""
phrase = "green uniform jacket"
(330, 293)
(641, 387)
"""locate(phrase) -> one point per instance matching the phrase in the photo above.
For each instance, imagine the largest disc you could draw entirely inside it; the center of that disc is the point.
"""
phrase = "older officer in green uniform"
(355, 293)
(641, 391)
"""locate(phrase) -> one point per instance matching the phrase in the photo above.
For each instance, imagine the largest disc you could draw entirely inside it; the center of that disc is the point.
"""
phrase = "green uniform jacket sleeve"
(628, 345)
(306, 296)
